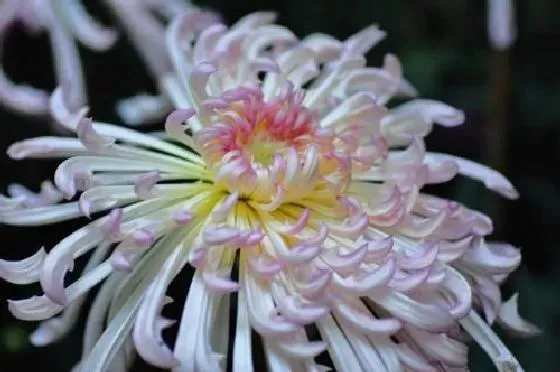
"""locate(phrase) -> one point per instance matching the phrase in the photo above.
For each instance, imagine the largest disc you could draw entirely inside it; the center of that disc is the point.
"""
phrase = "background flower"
(69, 23)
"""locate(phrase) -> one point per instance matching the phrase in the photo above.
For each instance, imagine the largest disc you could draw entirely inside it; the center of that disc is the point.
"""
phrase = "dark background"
(512, 111)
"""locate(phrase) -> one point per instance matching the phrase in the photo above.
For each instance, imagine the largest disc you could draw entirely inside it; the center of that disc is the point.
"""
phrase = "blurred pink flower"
(67, 22)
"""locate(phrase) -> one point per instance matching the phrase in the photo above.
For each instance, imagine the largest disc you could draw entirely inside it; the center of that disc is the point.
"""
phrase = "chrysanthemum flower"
(296, 196)
(67, 22)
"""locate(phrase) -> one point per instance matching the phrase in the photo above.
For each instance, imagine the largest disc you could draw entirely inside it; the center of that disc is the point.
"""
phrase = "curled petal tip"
(145, 183)
(121, 262)
(85, 206)
(143, 237)
(89, 137)
(219, 235)
(182, 216)
(181, 115)
(27, 148)
(507, 190)
(57, 297)
(216, 282)
(509, 318)
(52, 276)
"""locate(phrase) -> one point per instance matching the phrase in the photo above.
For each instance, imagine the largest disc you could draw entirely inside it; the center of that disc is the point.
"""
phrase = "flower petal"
(509, 318)
(491, 178)
(25, 271)
(490, 343)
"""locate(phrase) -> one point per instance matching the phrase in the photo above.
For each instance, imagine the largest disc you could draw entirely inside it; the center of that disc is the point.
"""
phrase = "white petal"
(67, 172)
(142, 109)
(293, 354)
(425, 316)
(365, 352)
(260, 306)
(61, 259)
(145, 183)
(242, 360)
(491, 178)
(124, 134)
(192, 343)
(86, 29)
(46, 147)
(122, 362)
(406, 89)
(99, 198)
(509, 318)
(413, 360)
(361, 319)
(490, 343)
(41, 307)
(135, 289)
(146, 32)
(22, 97)
(208, 359)
(387, 352)
(342, 355)
(219, 338)
(364, 40)
(253, 20)
(54, 329)
(147, 331)
(98, 312)
(316, 96)
(68, 66)
(114, 336)
(89, 137)
(50, 214)
(277, 362)
(440, 347)
(301, 348)
(25, 271)
(455, 285)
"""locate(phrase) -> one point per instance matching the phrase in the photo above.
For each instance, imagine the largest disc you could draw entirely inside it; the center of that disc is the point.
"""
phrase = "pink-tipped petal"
(218, 283)
(182, 216)
(145, 183)
(220, 235)
(90, 138)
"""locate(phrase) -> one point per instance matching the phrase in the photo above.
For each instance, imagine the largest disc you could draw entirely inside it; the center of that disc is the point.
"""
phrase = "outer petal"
(25, 271)
(509, 318)
(491, 178)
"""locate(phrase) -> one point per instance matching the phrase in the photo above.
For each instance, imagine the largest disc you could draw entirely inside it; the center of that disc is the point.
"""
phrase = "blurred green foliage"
(13, 338)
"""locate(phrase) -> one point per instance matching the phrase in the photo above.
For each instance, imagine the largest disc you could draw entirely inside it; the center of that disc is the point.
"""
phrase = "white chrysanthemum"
(287, 181)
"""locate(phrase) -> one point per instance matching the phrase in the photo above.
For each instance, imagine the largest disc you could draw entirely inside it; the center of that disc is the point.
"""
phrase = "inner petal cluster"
(262, 147)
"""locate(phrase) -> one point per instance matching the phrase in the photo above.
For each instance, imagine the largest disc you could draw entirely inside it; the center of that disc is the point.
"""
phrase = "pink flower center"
(259, 129)
(270, 149)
